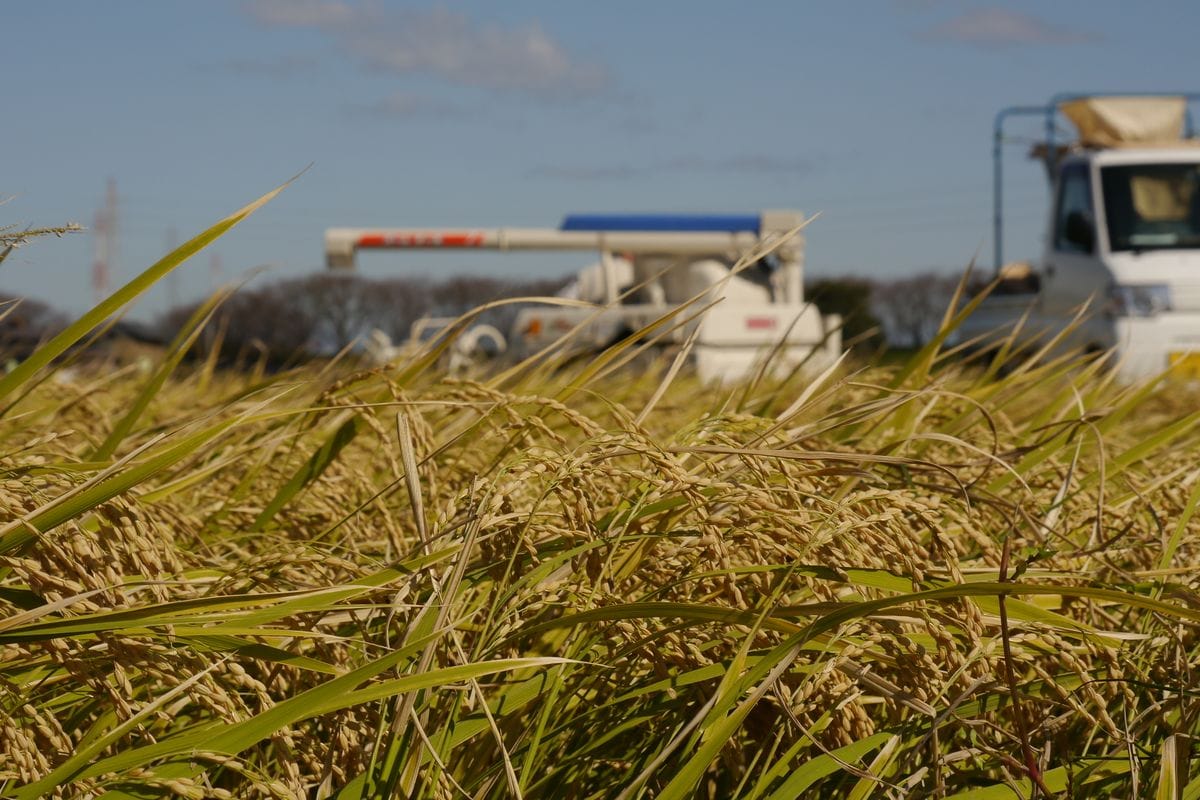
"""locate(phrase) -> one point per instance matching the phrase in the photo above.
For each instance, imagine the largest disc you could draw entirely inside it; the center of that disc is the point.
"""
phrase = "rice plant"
(576, 581)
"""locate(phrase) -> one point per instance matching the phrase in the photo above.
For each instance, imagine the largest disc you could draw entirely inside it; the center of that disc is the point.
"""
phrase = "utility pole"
(104, 242)
(215, 275)
(173, 277)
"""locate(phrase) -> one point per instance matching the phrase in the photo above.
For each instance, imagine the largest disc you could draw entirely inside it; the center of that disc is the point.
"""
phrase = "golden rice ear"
(387, 581)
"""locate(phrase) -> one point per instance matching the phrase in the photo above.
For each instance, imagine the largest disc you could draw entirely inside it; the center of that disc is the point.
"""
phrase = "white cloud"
(999, 26)
(442, 43)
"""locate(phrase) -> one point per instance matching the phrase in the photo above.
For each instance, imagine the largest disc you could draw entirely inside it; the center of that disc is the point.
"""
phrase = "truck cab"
(1122, 243)
(1126, 232)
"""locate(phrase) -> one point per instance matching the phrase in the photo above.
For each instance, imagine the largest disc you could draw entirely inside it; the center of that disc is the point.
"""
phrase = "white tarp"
(1116, 121)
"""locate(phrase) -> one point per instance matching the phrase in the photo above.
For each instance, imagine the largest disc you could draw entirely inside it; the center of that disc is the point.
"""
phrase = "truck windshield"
(1152, 206)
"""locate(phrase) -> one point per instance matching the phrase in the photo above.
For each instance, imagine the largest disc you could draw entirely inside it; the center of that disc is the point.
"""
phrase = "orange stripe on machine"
(420, 239)
(761, 323)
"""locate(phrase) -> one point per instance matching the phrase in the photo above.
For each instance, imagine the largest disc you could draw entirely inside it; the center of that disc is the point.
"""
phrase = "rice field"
(933, 579)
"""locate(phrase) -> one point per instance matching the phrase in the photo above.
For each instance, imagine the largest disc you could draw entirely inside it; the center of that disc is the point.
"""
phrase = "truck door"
(1074, 273)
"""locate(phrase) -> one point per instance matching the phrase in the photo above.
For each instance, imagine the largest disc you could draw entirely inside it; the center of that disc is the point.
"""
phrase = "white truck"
(648, 266)
(1123, 237)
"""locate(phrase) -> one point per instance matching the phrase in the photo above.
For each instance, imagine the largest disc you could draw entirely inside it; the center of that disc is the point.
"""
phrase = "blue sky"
(876, 113)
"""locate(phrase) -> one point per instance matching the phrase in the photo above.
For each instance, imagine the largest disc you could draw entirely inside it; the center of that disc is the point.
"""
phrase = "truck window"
(1152, 206)
(1074, 195)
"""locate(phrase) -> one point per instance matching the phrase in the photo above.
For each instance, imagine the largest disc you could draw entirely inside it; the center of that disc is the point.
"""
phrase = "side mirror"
(1080, 232)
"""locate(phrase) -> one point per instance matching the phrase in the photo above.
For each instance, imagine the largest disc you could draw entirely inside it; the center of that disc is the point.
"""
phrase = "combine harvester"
(1121, 265)
(649, 266)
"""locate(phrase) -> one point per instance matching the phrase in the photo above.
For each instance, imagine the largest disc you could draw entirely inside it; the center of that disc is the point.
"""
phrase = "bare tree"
(323, 313)
(912, 308)
(24, 323)
(398, 303)
(851, 298)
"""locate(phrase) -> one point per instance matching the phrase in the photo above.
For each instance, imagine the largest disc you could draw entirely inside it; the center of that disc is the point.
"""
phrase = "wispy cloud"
(746, 164)
(285, 67)
(611, 172)
(302, 13)
(916, 6)
(402, 105)
(442, 43)
(760, 164)
(996, 27)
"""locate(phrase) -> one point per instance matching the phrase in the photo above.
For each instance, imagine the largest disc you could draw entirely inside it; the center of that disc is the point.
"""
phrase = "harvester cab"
(743, 275)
